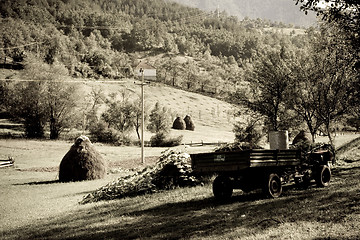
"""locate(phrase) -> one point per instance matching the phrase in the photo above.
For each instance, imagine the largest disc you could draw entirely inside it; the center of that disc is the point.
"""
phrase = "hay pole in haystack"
(82, 162)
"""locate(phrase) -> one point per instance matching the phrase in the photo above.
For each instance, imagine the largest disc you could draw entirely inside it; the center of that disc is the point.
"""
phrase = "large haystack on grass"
(82, 162)
(179, 124)
(189, 123)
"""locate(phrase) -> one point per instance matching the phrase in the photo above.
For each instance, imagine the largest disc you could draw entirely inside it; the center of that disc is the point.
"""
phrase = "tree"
(323, 80)
(120, 114)
(345, 13)
(190, 74)
(28, 105)
(303, 91)
(45, 99)
(267, 86)
(335, 75)
(137, 119)
(159, 119)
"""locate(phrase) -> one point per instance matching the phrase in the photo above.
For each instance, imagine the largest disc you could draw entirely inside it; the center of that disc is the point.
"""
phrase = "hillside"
(107, 39)
(213, 118)
(192, 50)
(284, 11)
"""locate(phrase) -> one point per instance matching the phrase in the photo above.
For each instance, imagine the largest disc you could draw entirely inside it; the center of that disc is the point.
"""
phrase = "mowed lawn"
(35, 206)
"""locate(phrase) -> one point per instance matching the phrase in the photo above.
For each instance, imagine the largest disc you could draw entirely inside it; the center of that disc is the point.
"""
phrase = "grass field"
(35, 206)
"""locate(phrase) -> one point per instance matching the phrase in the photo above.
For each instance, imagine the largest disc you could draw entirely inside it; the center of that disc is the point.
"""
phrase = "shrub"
(101, 133)
(249, 132)
(161, 140)
(179, 124)
(189, 123)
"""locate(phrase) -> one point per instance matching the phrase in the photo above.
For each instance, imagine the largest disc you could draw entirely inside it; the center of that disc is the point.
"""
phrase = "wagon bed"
(239, 160)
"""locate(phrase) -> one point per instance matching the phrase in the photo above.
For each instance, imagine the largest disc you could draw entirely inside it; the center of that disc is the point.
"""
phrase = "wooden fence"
(6, 163)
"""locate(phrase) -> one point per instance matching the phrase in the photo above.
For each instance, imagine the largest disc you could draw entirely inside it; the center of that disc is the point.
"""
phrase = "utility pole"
(142, 116)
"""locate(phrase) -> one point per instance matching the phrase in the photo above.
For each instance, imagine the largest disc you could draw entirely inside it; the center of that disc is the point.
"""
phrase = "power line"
(20, 46)
(62, 81)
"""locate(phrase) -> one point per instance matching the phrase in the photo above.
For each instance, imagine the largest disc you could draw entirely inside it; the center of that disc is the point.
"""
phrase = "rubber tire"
(272, 187)
(222, 188)
(323, 176)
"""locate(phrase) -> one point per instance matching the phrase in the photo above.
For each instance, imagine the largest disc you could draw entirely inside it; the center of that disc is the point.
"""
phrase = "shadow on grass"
(38, 183)
(153, 217)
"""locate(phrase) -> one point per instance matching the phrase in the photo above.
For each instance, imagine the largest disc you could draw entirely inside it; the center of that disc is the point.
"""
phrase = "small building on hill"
(149, 71)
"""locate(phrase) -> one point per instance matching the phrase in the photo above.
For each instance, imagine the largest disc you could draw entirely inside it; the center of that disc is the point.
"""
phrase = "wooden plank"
(2, 162)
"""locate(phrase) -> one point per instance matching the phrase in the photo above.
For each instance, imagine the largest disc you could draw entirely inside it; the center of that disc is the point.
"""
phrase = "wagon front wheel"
(272, 187)
(222, 188)
(323, 176)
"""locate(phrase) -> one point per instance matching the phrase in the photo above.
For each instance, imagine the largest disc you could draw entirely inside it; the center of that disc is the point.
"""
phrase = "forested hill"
(284, 11)
(190, 48)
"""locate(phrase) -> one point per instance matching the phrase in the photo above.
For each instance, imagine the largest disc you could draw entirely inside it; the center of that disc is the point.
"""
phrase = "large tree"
(267, 85)
(44, 97)
(335, 74)
(345, 13)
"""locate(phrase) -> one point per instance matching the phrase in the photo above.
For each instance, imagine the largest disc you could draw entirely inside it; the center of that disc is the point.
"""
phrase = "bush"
(179, 124)
(161, 140)
(249, 132)
(101, 133)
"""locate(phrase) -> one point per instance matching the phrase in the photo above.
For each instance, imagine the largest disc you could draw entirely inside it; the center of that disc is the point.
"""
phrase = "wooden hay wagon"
(268, 170)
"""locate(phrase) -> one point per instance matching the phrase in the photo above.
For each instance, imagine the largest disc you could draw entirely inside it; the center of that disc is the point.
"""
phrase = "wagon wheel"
(323, 177)
(272, 187)
(222, 188)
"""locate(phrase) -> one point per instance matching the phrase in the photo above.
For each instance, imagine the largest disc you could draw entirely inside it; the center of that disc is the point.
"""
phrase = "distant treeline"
(102, 38)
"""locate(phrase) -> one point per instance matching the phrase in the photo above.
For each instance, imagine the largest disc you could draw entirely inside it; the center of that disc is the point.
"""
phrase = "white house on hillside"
(149, 71)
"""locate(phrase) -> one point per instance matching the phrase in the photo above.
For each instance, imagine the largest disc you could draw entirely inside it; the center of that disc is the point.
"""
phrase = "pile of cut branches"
(172, 170)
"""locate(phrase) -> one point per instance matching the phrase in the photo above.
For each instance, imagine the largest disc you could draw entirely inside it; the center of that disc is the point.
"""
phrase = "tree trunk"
(54, 130)
(331, 140)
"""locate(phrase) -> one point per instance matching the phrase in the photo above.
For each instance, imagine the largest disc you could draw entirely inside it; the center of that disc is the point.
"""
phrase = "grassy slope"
(192, 213)
(34, 206)
(213, 118)
(208, 114)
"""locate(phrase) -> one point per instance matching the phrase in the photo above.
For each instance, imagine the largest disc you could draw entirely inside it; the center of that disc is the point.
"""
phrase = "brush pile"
(172, 170)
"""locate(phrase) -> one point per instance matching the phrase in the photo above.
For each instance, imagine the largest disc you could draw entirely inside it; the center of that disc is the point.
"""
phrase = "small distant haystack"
(303, 136)
(179, 124)
(189, 123)
(82, 162)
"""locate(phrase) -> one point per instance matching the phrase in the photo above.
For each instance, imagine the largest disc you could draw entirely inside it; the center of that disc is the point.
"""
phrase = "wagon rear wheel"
(222, 188)
(272, 187)
(323, 176)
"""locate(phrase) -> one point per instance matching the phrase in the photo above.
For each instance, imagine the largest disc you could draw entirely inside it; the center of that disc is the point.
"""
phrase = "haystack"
(304, 137)
(82, 162)
(179, 124)
(189, 123)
